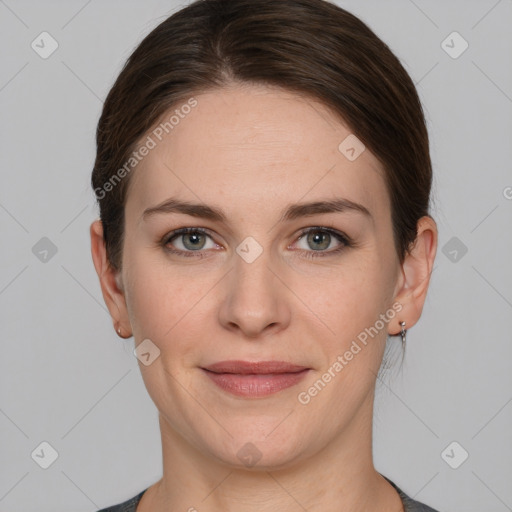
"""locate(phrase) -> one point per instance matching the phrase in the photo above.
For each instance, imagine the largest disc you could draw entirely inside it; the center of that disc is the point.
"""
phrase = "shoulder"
(127, 506)
(410, 505)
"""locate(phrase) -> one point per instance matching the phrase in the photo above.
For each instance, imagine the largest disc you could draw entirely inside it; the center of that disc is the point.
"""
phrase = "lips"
(254, 368)
(255, 379)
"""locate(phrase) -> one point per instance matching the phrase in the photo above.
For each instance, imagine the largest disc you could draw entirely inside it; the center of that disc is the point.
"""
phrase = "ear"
(110, 281)
(415, 275)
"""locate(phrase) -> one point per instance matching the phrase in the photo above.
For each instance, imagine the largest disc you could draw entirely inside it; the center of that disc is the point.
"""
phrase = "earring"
(119, 331)
(403, 332)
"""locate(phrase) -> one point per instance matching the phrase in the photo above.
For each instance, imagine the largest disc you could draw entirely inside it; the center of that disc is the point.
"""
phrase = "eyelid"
(183, 231)
(332, 231)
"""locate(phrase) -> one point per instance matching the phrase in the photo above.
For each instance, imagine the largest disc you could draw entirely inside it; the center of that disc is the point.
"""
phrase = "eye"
(191, 240)
(320, 239)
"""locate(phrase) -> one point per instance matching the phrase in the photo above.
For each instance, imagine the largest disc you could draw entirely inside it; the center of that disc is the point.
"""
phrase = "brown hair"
(311, 47)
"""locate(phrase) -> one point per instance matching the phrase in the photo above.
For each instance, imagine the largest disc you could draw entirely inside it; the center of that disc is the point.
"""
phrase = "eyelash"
(344, 239)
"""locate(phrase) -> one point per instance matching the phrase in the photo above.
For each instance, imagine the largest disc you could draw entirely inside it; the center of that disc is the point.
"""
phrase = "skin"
(251, 151)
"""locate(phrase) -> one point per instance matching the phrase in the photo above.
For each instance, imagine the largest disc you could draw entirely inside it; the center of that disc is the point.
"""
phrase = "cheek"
(350, 299)
(345, 315)
(166, 304)
(152, 298)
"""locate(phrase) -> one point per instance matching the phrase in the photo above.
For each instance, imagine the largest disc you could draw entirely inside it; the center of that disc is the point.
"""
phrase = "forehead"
(250, 145)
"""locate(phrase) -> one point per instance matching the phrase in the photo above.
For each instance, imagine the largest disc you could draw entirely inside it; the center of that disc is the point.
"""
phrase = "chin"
(259, 452)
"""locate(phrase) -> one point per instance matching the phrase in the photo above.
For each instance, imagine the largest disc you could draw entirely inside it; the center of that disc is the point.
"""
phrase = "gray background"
(67, 379)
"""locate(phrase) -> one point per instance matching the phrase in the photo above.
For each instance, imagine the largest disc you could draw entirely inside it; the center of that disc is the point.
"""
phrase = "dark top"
(409, 504)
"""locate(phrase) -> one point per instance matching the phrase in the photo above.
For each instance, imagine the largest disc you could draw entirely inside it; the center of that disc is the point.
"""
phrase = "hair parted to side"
(311, 47)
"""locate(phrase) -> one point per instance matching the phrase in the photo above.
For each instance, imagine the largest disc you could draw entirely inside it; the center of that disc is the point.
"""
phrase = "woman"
(263, 177)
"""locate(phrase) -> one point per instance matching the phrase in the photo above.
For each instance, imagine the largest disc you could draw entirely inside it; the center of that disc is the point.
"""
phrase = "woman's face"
(253, 286)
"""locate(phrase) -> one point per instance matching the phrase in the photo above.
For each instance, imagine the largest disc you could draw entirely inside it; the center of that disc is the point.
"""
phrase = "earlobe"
(416, 272)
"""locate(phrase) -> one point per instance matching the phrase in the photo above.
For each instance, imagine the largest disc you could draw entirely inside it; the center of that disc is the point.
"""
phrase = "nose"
(255, 300)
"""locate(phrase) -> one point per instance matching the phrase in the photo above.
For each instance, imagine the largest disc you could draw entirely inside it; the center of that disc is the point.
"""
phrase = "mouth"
(255, 379)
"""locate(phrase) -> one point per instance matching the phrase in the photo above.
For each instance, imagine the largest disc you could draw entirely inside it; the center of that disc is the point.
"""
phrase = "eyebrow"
(292, 212)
